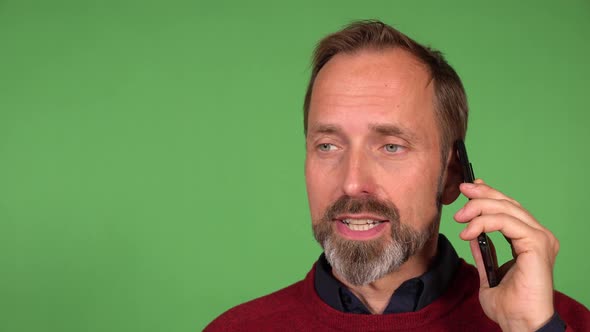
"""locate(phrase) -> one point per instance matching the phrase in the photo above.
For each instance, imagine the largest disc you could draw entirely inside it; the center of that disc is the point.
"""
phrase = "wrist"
(528, 324)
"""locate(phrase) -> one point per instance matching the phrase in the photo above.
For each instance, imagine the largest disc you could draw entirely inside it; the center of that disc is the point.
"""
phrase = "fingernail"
(469, 185)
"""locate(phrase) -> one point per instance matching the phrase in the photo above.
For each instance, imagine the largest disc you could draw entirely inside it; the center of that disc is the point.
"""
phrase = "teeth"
(360, 221)
(360, 224)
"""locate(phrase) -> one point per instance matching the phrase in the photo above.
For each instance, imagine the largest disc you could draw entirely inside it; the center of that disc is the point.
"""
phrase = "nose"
(358, 179)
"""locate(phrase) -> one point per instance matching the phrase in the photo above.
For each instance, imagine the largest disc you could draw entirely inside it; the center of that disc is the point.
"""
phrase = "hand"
(523, 301)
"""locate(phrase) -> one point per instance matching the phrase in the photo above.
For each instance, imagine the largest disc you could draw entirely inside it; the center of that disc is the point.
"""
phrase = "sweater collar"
(412, 295)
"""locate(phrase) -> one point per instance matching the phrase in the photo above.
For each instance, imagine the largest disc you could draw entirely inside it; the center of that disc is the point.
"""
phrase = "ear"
(452, 179)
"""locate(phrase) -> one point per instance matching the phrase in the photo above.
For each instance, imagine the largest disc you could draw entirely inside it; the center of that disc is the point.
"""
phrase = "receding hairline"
(381, 49)
(413, 60)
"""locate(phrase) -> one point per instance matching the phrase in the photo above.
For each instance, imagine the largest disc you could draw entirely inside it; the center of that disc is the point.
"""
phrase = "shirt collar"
(412, 295)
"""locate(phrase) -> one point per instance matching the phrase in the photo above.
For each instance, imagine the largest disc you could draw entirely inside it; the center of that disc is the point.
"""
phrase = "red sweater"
(299, 308)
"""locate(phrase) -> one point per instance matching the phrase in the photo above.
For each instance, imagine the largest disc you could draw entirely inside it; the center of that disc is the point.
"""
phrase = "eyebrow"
(381, 129)
(393, 130)
(325, 129)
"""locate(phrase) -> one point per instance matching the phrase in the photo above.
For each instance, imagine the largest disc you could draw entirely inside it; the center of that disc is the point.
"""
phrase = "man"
(382, 113)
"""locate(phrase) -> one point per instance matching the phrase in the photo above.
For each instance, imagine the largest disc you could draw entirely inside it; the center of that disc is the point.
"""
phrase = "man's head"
(381, 114)
(450, 100)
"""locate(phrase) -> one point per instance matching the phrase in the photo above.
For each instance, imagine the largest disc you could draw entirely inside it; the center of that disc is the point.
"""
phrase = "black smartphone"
(482, 239)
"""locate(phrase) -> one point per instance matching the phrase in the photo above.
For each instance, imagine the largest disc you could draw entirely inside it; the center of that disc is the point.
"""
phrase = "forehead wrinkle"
(392, 93)
(353, 99)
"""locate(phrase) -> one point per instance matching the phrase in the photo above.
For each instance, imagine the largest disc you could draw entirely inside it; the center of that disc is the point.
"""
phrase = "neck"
(377, 294)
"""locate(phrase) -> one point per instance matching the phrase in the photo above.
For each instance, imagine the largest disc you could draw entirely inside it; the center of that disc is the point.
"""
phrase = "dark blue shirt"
(412, 295)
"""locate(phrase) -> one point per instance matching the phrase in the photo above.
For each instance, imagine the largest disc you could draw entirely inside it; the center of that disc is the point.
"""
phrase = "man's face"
(373, 161)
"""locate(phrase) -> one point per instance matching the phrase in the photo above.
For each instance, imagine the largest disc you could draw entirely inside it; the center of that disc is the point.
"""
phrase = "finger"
(508, 225)
(493, 249)
(524, 237)
(480, 189)
(481, 270)
(481, 206)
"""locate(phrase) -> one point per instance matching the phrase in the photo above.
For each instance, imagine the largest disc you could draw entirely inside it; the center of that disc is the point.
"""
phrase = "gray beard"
(362, 262)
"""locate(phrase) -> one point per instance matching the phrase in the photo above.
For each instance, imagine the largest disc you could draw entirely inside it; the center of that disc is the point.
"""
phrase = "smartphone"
(482, 239)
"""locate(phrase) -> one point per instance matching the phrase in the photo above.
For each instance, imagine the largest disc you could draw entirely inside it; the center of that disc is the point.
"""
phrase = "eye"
(325, 147)
(392, 148)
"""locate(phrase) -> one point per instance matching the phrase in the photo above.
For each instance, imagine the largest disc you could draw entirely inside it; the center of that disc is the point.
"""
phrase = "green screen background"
(151, 153)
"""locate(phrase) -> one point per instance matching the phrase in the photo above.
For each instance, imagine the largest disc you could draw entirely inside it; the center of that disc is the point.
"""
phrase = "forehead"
(393, 68)
(387, 85)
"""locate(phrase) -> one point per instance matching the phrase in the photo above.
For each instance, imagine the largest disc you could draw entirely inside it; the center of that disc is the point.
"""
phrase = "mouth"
(361, 227)
(361, 224)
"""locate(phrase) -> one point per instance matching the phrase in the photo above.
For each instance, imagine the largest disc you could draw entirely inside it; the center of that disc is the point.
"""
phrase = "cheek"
(318, 192)
(414, 192)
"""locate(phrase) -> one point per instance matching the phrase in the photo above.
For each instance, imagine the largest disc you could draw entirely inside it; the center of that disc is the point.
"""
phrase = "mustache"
(369, 204)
